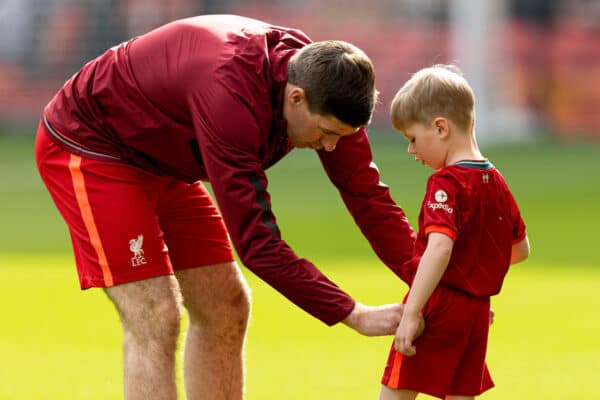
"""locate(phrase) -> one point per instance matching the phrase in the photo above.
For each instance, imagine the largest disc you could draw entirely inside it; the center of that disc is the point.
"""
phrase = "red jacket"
(201, 98)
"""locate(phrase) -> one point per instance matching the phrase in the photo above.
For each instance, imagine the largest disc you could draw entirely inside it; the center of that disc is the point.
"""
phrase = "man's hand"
(375, 320)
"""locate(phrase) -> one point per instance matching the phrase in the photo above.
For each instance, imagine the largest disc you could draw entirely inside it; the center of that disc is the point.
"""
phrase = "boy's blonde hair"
(437, 91)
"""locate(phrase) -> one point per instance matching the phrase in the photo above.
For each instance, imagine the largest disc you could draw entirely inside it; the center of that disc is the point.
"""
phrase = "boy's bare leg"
(218, 302)
(150, 316)
(396, 394)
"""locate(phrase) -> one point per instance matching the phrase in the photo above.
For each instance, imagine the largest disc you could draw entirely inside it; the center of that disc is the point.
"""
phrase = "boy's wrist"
(411, 311)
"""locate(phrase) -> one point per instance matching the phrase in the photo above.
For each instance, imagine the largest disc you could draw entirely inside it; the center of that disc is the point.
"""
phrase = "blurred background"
(535, 69)
(534, 63)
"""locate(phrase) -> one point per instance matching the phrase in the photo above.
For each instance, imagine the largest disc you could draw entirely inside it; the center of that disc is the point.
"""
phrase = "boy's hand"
(411, 326)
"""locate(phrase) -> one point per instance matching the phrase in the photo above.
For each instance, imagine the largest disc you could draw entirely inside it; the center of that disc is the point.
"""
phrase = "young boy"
(470, 231)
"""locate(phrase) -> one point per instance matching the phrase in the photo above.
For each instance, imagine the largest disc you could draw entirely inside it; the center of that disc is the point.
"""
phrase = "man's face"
(309, 130)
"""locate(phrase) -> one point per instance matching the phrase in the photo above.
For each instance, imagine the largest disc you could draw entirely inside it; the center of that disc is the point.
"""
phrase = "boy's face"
(427, 142)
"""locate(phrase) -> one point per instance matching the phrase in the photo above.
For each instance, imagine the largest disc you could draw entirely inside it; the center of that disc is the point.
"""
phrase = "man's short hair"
(338, 79)
(437, 91)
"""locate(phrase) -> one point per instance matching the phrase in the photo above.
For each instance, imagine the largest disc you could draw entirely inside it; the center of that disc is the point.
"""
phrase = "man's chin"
(305, 146)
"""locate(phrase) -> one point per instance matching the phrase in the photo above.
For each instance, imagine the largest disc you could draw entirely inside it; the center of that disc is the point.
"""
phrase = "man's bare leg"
(150, 315)
(218, 302)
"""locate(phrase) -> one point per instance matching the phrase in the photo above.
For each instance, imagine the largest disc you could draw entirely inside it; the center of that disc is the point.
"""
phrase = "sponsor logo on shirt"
(440, 206)
(135, 245)
(441, 197)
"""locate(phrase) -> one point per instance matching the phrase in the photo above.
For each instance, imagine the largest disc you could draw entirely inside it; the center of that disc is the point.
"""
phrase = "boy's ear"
(442, 126)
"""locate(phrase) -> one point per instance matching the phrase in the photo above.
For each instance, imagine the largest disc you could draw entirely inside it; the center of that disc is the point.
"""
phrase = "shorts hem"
(100, 283)
(206, 263)
(437, 394)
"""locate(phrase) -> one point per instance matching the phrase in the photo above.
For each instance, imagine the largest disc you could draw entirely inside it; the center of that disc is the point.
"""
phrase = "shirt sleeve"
(229, 144)
(518, 232)
(440, 209)
(383, 223)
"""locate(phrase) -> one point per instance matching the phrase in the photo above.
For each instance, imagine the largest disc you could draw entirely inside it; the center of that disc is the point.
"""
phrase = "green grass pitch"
(59, 343)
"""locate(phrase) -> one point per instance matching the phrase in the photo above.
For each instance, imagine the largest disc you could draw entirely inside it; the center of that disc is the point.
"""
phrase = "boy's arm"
(429, 273)
(520, 251)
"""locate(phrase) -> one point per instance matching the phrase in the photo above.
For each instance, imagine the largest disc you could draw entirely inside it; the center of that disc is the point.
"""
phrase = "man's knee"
(217, 297)
(236, 308)
(238, 299)
(230, 310)
(150, 310)
(160, 321)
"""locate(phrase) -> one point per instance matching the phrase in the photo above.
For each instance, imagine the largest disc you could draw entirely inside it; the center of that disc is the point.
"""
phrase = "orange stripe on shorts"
(395, 373)
(88, 217)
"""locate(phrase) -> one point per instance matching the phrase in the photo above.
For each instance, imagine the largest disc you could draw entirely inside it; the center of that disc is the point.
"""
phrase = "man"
(122, 148)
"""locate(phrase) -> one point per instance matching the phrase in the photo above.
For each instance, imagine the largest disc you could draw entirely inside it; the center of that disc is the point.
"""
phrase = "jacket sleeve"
(383, 223)
(229, 145)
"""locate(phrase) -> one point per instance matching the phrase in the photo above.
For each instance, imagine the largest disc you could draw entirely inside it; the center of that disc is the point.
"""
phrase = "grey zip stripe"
(73, 145)
(261, 198)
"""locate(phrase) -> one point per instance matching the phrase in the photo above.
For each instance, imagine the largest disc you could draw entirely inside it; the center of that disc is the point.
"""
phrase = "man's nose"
(329, 142)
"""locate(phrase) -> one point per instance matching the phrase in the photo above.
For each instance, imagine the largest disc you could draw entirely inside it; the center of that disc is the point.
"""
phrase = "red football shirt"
(201, 98)
(470, 202)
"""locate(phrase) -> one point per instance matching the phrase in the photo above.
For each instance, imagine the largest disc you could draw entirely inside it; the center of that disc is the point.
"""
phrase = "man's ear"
(442, 126)
(296, 95)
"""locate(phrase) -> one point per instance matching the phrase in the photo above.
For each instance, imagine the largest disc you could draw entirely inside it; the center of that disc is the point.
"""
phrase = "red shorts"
(127, 224)
(450, 357)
